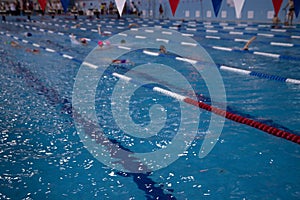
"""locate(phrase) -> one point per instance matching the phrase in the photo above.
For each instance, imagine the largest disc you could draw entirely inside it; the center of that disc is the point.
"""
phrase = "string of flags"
(238, 6)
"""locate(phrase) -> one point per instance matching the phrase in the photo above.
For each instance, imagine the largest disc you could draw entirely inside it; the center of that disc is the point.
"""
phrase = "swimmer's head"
(100, 43)
(123, 41)
(83, 40)
(162, 47)
(27, 34)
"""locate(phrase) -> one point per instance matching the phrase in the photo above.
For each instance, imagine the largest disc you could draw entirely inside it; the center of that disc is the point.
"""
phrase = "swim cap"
(123, 41)
(100, 43)
(29, 34)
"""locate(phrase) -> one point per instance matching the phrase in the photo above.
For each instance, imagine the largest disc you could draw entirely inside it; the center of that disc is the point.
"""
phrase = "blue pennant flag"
(216, 5)
(65, 4)
(297, 7)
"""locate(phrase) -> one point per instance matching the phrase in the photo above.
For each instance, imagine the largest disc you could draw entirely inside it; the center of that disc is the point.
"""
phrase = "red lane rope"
(243, 120)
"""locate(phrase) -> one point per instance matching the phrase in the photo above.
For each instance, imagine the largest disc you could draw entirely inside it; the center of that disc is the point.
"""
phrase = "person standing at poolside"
(291, 12)
(161, 11)
(275, 21)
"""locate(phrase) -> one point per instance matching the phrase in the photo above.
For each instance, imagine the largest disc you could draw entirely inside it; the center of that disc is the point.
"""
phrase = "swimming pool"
(42, 155)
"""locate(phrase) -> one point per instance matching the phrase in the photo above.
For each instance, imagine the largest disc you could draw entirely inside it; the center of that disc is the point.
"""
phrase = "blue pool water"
(43, 157)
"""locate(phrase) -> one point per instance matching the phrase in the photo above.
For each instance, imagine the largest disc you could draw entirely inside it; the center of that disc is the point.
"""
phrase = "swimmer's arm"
(249, 42)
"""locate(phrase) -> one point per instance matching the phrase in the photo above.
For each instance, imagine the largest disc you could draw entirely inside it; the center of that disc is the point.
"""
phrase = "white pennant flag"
(238, 5)
(120, 5)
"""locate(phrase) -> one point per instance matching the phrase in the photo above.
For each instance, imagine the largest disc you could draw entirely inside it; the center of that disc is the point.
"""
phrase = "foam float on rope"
(236, 33)
(213, 37)
(150, 53)
(222, 48)
(266, 54)
(282, 44)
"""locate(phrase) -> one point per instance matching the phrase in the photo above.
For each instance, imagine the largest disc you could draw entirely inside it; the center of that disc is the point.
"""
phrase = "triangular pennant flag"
(216, 5)
(174, 4)
(277, 5)
(120, 5)
(238, 6)
(65, 4)
(297, 7)
(43, 4)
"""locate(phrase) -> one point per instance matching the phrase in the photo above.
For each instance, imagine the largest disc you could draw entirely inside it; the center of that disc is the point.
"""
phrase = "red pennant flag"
(277, 5)
(174, 4)
(43, 4)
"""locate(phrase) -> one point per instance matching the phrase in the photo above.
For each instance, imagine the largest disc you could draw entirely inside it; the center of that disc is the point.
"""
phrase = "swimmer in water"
(34, 51)
(99, 30)
(76, 26)
(82, 41)
(102, 33)
(122, 61)
(103, 43)
(27, 34)
(246, 47)
(162, 49)
(133, 25)
(14, 44)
